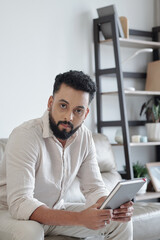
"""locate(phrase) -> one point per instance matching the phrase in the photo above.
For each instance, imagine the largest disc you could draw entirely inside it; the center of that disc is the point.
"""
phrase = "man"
(43, 157)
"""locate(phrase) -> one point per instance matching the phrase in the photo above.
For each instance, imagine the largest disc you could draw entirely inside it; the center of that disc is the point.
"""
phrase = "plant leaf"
(145, 106)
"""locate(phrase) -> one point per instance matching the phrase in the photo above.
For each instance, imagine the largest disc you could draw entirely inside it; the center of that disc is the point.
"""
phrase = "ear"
(50, 101)
(86, 113)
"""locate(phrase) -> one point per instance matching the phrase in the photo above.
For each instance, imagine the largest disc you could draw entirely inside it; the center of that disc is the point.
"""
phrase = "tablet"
(123, 192)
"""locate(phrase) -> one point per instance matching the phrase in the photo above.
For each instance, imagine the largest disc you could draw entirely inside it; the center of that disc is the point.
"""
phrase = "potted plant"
(152, 112)
(140, 171)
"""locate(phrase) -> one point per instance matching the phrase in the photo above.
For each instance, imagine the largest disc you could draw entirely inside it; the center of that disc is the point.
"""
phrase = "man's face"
(68, 109)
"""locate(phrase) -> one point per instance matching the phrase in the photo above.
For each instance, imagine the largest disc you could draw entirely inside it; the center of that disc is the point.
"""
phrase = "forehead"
(72, 96)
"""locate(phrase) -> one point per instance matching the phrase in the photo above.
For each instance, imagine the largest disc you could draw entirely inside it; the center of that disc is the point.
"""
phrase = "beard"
(61, 134)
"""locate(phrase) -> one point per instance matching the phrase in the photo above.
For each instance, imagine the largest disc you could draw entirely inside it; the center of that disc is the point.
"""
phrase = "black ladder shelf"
(117, 72)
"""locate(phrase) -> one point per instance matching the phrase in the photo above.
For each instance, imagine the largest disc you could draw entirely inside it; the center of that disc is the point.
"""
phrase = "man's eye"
(79, 111)
(63, 106)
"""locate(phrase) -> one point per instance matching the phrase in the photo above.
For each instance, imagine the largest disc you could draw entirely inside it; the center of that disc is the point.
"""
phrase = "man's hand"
(94, 218)
(124, 213)
(101, 200)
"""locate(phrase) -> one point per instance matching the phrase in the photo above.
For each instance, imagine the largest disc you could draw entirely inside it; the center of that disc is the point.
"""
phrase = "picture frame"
(154, 173)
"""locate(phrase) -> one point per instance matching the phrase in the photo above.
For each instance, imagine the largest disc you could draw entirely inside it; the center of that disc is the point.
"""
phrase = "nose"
(69, 116)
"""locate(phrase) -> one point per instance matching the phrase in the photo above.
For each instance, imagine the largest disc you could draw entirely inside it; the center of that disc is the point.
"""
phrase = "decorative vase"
(153, 132)
(118, 136)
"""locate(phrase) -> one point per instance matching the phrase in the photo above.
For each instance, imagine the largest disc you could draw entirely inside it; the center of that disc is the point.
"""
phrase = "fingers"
(124, 213)
(108, 221)
(94, 218)
(124, 216)
(123, 210)
(126, 205)
(106, 212)
(100, 201)
(124, 219)
(105, 217)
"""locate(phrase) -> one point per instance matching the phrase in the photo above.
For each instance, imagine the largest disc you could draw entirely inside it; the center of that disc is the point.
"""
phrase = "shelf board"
(137, 123)
(116, 144)
(110, 123)
(134, 93)
(144, 144)
(111, 72)
(141, 92)
(134, 43)
(147, 196)
(141, 144)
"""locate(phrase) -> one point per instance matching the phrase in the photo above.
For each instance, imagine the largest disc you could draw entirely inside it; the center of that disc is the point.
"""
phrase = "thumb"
(96, 205)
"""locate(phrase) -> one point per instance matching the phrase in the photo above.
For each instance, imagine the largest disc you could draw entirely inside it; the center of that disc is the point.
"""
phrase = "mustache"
(65, 122)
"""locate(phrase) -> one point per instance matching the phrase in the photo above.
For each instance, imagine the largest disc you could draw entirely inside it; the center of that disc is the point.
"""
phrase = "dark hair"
(77, 80)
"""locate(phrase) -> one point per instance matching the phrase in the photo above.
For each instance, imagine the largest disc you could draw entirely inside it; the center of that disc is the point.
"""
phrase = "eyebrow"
(63, 100)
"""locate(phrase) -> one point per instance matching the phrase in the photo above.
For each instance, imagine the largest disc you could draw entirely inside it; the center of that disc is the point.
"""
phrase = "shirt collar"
(47, 132)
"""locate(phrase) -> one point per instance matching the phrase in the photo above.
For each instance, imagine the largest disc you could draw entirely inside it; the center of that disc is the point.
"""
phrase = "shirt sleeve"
(21, 158)
(91, 182)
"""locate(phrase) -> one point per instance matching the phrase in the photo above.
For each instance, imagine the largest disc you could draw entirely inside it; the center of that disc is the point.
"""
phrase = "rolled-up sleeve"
(21, 159)
(91, 182)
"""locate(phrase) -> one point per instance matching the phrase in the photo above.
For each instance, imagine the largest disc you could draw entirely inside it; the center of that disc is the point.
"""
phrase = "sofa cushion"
(3, 142)
(146, 220)
(104, 153)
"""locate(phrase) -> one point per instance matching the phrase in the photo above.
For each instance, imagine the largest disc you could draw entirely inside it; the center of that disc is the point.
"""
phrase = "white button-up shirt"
(40, 171)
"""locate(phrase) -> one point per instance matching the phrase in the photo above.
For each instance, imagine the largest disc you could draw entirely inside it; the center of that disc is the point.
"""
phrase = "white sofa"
(146, 217)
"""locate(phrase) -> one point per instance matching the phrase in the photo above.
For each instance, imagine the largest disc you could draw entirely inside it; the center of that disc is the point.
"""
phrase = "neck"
(63, 142)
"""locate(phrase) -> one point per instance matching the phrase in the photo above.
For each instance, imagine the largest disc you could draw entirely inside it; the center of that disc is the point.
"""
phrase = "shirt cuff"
(25, 209)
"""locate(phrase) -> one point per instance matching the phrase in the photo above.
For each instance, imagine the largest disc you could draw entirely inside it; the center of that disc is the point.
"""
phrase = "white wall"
(41, 38)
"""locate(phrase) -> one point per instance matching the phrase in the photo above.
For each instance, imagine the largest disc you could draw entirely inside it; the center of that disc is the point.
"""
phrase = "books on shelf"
(106, 27)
